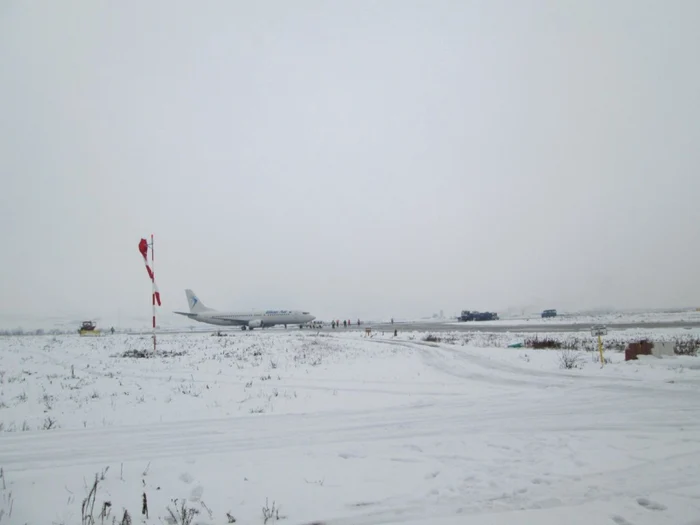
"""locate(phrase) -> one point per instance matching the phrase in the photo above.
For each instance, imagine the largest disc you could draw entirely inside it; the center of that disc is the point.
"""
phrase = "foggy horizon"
(377, 160)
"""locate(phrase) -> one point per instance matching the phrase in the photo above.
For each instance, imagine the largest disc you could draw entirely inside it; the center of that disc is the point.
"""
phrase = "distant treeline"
(21, 331)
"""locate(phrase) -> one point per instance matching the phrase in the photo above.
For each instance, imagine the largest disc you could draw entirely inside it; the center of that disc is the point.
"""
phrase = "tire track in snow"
(445, 359)
(662, 476)
(436, 355)
(42, 450)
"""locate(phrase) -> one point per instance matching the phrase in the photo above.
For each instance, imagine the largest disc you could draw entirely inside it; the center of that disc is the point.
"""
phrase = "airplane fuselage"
(253, 319)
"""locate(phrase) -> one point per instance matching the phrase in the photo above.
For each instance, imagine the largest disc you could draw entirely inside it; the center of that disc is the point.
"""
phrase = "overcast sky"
(350, 158)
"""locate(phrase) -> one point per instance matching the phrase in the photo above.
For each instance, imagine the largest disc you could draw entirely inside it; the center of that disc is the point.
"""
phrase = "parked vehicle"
(468, 315)
(549, 313)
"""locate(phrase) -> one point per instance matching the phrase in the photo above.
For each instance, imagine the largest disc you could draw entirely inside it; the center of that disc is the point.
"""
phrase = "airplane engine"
(257, 323)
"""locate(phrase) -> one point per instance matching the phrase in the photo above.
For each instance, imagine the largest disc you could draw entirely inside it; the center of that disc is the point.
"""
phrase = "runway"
(531, 327)
(434, 326)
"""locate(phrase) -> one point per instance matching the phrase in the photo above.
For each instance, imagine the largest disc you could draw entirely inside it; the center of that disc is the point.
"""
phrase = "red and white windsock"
(143, 248)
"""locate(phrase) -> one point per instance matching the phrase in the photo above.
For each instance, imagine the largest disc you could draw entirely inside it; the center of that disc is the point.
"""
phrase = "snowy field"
(614, 340)
(607, 319)
(344, 429)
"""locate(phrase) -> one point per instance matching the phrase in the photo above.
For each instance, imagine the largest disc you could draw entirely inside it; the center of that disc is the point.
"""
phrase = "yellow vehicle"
(88, 328)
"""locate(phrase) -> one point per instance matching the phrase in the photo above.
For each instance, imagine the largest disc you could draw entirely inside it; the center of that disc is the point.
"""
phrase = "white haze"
(356, 159)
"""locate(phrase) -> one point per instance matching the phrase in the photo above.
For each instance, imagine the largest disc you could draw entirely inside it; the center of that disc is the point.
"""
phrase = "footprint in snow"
(620, 520)
(405, 460)
(546, 503)
(196, 493)
(346, 455)
(651, 505)
(186, 477)
(364, 504)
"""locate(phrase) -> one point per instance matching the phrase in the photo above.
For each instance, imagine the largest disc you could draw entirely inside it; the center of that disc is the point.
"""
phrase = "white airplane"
(251, 319)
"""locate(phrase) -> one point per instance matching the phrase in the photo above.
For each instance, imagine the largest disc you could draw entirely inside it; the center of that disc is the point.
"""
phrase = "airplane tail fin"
(194, 303)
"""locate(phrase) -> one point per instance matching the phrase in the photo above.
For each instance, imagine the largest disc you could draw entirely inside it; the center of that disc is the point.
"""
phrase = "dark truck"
(468, 315)
(549, 313)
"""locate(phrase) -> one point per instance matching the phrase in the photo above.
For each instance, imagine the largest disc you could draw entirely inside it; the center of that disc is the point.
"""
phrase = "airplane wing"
(187, 314)
(230, 320)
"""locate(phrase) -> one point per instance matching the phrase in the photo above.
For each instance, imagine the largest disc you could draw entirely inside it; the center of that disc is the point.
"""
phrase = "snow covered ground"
(344, 429)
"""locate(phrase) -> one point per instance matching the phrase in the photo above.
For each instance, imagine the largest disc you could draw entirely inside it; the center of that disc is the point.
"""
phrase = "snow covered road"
(453, 435)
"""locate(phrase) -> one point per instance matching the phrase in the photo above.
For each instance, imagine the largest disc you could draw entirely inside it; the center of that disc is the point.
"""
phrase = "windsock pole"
(153, 293)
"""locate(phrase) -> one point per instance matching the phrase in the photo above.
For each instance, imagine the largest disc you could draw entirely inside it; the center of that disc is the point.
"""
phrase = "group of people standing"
(346, 323)
(336, 323)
